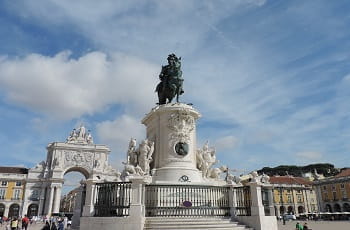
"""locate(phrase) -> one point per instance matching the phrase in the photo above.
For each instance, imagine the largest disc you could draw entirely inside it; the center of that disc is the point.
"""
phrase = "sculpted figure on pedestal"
(170, 81)
(206, 159)
(146, 149)
(138, 160)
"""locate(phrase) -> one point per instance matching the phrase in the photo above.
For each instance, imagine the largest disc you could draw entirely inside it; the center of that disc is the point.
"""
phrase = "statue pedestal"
(172, 127)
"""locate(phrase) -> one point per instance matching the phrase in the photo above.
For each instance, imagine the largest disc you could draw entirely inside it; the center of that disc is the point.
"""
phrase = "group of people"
(57, 224)
(299, 226)
(53, 223)
(15, 223)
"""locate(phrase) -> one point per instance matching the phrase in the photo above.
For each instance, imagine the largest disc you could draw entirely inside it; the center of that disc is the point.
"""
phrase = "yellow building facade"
(12, 187)
(293, 195)
(334, 193)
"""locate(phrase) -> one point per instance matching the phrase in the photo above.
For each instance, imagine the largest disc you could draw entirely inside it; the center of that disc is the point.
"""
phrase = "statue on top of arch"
(80, 136)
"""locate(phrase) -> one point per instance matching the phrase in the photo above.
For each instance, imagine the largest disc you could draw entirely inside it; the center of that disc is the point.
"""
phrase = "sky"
(271, 78)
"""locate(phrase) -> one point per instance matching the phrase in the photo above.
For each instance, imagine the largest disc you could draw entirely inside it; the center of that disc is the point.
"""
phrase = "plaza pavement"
(316, 225)
(290, 225)
(37, 226)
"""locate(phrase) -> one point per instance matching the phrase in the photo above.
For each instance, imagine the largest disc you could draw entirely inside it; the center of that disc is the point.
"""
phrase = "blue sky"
(270, 78)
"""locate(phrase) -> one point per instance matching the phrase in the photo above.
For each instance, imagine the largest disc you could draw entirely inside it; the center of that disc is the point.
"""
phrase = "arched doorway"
(290, 210)
(328, 208)
(32, 210)
(71, 190)
(14, 210)
(301, 209)
(337, 208)
(2, 210)
(346, 207)
(282, 210)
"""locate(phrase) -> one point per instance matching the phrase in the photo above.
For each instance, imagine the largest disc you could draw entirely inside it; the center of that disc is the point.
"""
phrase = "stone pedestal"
(172, 127)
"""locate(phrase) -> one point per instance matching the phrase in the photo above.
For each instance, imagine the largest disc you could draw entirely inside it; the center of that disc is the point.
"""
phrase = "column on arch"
(50, 200)
(56, 200)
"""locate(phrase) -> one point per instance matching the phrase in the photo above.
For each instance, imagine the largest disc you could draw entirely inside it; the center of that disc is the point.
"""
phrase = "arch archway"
(329, 208)
(337, 208)
(77, 154)
(2, 210)
(301, 209)
(14, 210)
(32, 210)
(290, 210)
(282, 210)
(346, 207)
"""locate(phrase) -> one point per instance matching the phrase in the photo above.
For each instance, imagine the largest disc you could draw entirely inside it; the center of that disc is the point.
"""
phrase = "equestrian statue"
(171, 80)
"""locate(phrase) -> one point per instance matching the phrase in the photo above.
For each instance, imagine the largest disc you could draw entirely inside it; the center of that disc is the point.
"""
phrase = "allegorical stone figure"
(170, 81)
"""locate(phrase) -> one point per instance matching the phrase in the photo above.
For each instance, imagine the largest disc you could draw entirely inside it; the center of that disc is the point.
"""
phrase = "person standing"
(14, 224)
(25, 222)
(298, 226)
(305, 227)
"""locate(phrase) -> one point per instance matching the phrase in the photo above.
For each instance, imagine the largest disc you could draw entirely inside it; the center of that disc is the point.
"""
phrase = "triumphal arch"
(77, 154)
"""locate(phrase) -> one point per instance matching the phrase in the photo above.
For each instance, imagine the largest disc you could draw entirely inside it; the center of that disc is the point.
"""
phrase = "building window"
(35, 195)
(2, 193)
(324, 187)
(300, 199)
(333, 187)
(334, 195)
(344, 194)
(289, 199)
(342, 185)
(4, 183)
(16, 193)
(18, 183)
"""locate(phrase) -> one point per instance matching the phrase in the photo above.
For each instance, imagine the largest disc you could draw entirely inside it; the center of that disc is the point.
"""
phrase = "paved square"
(317, 225)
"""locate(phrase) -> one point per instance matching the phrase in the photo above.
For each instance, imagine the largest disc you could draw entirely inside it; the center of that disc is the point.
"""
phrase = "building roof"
(289, 180)
(343, 173)
(15, 170)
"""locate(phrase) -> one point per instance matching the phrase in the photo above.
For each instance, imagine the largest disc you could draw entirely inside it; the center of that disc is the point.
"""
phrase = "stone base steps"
(172, 223)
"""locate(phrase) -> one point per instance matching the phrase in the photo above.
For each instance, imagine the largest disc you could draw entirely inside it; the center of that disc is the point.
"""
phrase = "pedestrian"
(53, 226)
(47, 226)
(60, 225)
(25, 222)
(298, 226)
(14, 224)
(305, 227)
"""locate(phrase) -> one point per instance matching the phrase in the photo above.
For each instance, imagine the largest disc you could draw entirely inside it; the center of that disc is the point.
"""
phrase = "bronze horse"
(171, 81)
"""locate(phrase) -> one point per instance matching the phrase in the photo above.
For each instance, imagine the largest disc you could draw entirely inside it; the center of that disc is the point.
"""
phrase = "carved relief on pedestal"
(181, 124)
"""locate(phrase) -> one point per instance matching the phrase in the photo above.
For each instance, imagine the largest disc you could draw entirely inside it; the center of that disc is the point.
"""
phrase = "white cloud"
(225, 143)
(309, 155)
(117, 134)
(66, 88)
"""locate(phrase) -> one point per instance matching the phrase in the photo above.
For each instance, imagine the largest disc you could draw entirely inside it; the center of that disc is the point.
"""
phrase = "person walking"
(25, 222)
(305, 227)
(14, 224)
(47, 226)
(298, 226)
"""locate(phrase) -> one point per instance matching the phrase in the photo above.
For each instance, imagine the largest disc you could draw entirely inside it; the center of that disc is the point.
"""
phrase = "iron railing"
(243, 201)
(113, 199)
(187, 200)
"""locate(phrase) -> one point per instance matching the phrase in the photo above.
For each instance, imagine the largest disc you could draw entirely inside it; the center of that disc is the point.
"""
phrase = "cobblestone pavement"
(317, 225)
(36, 226)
